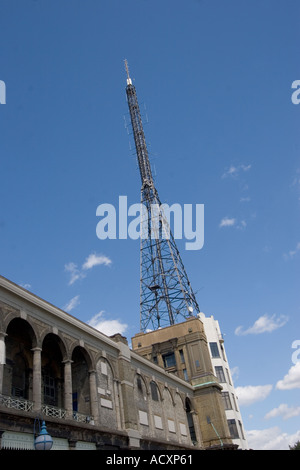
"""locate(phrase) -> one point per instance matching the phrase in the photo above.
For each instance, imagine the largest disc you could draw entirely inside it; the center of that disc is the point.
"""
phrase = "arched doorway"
(80, 382)
(52, 372)
(17, 374)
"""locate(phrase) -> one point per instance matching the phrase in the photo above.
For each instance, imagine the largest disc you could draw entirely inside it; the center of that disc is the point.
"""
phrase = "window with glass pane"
(181, 356)
(226, 400)
(233, 429)
(169, 359)
(220, 374)
(214, 349)
(241, 429)
(154, 391)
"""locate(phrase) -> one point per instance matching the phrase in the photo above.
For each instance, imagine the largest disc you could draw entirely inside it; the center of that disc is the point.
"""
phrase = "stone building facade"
(182, 349)
(93, 391)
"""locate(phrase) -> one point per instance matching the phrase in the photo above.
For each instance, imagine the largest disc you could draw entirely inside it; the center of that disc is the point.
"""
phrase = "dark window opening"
(169, 359)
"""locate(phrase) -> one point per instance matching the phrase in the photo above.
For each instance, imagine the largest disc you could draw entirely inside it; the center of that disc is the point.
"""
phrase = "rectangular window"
(223, 353)
(214, 349)
(226, 401)
(228, 376)
(241, 429)
(185, 374)
(235, 403)
(233, 429)
(181, 356)
(169, 359)
(220, 374)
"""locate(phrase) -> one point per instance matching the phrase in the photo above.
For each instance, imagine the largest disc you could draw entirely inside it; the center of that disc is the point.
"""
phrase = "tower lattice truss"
(166, 295)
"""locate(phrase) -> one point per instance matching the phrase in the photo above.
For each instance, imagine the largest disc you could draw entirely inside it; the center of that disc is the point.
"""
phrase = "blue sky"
(214, 82)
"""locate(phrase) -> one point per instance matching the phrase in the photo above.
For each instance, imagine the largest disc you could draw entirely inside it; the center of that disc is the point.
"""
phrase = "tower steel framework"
(166, 295)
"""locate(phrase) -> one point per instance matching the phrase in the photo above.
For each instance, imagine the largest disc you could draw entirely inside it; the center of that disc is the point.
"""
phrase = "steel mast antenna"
(166, 295)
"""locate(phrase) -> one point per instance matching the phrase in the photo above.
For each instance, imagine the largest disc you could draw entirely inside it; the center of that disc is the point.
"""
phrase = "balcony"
(16, 403)
(21, 404)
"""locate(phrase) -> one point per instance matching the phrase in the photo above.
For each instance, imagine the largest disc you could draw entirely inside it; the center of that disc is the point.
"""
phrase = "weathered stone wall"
(128, 401)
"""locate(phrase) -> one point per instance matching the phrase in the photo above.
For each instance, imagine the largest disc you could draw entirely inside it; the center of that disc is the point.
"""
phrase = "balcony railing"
(53, 411)
(16, 403)
(25, 405)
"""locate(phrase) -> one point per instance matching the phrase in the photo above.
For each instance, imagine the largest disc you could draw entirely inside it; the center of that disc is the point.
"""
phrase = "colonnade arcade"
(63, 377)
(45, 372)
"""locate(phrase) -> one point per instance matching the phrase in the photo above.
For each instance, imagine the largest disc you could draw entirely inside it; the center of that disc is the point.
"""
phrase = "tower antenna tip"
(129, 82)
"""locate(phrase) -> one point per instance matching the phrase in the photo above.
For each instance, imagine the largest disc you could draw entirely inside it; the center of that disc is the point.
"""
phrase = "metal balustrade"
(16, 403)
(52, 411)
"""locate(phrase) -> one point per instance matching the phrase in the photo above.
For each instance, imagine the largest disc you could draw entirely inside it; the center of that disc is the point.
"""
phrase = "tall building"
(222, 370)
(182, 350)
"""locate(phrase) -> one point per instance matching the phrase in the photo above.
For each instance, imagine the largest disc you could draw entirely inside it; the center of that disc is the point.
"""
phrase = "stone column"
(2, 358)
(68, 400)
(37, 380)
(197, 428)
(129, 412)
(94, 396)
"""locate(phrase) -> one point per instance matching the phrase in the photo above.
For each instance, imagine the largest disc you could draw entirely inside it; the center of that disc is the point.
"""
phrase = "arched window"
(154, 391)
(190, 420)
(17, 374)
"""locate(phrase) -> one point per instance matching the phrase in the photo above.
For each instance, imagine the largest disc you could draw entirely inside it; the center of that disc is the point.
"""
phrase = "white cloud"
(72, 304)
(264, 324)
(291, 254)
(75, 273)
(245, 199)
(108, 327)
(230, 222)
(291, 379)
(235, 372)
(227, 222)
(271, 439)
(284, 411)
(234, 171)
(252, 393)
(242, 225)
(94, 260)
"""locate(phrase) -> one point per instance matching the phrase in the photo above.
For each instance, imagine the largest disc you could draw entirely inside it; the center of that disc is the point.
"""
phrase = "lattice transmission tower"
(166, 295)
